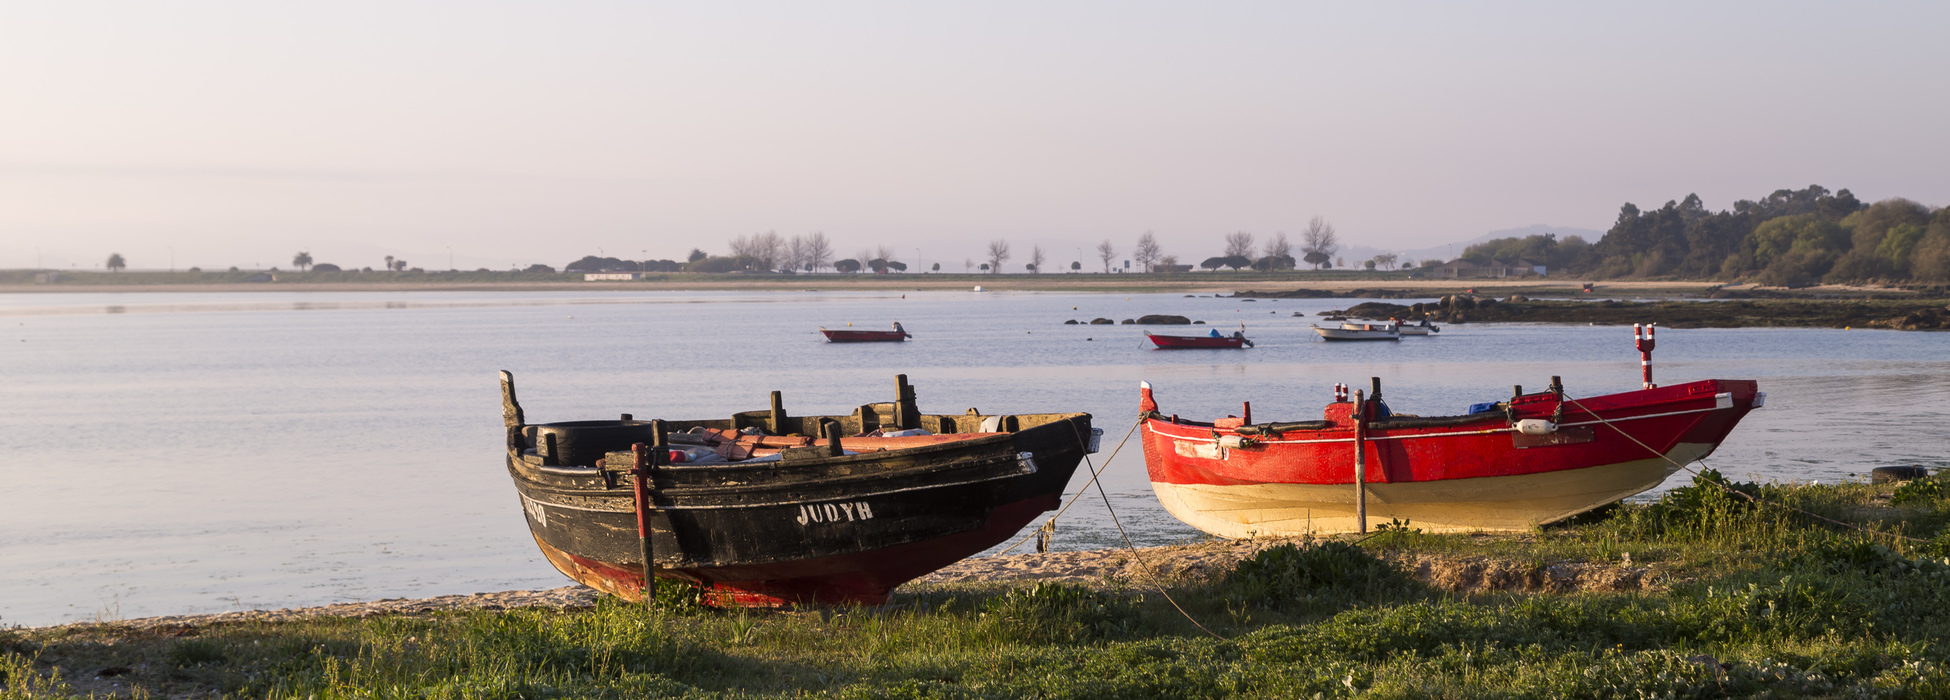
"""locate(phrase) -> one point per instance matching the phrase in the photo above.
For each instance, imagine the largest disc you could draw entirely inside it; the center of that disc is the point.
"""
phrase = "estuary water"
(169, 453)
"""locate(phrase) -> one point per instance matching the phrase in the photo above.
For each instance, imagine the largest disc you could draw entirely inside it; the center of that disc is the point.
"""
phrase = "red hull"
(862, 578)
(846, 336)
(1258, 474)
(1174, 342)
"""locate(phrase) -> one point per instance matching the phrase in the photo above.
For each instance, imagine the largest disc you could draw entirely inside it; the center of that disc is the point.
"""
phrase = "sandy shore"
(1146, 568)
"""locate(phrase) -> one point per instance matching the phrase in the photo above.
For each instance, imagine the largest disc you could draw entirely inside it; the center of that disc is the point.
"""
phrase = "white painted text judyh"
(834, 512)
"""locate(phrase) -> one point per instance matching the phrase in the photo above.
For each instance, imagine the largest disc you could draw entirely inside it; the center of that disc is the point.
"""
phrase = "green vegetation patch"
(1762, 590)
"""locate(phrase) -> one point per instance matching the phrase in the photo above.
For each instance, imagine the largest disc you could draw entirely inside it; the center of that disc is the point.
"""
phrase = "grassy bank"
(1740, 600)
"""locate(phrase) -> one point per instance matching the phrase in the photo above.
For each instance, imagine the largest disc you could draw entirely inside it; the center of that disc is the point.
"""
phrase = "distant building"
(611, 276)
(1172, 268)
(1469, 269)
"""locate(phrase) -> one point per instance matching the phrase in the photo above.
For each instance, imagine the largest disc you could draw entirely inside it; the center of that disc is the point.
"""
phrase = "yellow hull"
(1496, 503)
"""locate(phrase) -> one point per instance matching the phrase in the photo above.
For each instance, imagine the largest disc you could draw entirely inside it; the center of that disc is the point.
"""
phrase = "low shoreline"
(1277, 284)
(1160, 565)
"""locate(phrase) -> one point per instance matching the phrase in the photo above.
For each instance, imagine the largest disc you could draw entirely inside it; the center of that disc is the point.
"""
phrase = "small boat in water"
(764, 508)
(1422, 328)
(1361, 330)
(1533, 459)
(1174, 342)
(848, 335)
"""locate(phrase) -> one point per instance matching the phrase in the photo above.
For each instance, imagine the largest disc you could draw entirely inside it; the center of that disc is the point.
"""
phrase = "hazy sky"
(502, 133)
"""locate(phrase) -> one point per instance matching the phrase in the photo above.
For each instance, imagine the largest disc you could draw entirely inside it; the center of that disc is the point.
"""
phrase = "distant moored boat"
(848, 335)
(1175, 342)
(1361, 330)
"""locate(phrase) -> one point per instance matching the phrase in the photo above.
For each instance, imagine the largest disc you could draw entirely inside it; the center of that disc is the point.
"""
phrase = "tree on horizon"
(998, 254)
(1148, 251)
(1318, 242)
(116, 263)
(1278, 249)
(1239, 244)
(302, 260)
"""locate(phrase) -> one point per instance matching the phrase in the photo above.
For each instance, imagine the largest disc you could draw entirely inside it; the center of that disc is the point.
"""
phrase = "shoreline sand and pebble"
(1149, 566)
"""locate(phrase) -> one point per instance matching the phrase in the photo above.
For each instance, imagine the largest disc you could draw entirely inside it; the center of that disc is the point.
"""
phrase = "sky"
(492, 134)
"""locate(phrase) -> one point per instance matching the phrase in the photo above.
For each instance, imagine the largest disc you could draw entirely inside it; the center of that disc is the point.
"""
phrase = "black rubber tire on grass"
(1897, 475)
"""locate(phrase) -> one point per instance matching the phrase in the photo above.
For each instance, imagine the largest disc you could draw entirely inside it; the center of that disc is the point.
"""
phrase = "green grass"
(1757, 602)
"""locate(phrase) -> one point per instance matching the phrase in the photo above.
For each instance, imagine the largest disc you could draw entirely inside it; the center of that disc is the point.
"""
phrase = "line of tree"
(593, 263)
(765, 252)
(1790, 237)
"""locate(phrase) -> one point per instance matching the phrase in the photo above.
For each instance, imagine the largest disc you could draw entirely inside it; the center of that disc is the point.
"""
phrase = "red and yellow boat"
(1534, 459)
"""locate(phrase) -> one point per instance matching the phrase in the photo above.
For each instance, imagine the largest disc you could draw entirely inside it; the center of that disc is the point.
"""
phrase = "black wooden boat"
(756, 510)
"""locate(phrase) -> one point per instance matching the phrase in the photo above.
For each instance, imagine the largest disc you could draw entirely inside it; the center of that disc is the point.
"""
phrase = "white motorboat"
(1361, 330)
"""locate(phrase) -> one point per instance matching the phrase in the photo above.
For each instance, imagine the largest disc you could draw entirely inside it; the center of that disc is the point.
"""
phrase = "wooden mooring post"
(1360, 462)
(647, 459)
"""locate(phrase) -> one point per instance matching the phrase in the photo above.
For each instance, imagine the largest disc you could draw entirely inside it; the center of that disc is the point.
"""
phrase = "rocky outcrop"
(1896, 315)
(1378, 310)
(1919, 320)
(1291, 294)
(1163, 320)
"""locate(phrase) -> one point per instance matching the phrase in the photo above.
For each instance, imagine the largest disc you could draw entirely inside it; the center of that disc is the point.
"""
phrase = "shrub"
(1286, 576)
(1711, 494)
(1917, 492)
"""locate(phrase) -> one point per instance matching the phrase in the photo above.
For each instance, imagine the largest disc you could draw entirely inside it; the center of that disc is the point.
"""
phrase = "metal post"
(1360, 462)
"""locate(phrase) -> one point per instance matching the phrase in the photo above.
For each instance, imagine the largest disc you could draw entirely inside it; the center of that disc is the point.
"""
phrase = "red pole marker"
(1645, 342)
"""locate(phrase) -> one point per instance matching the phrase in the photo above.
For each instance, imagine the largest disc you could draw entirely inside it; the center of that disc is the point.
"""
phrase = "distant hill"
(1446, 252)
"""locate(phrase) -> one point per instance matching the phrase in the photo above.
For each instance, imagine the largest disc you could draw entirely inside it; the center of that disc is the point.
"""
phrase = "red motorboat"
(1174, 342)
(848, 335)
(1511, 465)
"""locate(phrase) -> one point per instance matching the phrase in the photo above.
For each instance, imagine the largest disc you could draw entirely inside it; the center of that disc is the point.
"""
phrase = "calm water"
(178, 453)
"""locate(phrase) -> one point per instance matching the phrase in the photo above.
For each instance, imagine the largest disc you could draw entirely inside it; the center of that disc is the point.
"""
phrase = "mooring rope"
(1094, 471)
(1139, 558)
(1729, 489)
(1135, 556)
